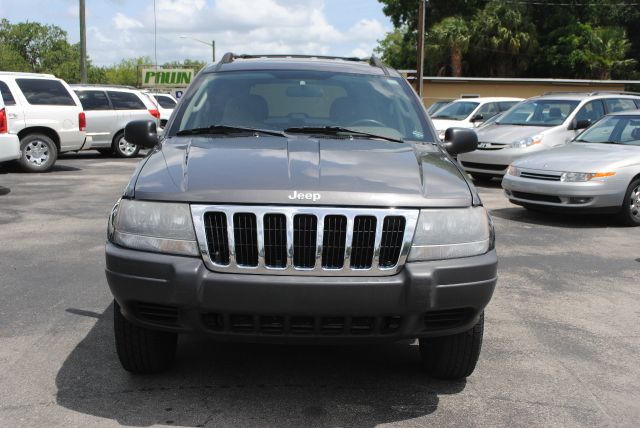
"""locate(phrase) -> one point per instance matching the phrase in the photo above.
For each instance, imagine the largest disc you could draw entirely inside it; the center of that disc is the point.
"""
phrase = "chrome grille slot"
(364, 235)
(392, 236)
(275, 240)
(302, 240)
(218, 244)
(246, 239)
(305, 231)
(333, 241)
(537, 176)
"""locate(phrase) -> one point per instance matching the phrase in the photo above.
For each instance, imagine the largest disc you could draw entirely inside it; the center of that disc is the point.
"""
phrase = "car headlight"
(576, 177)
(158, 227)
(526, 142)
(512, 170)
(452, 233)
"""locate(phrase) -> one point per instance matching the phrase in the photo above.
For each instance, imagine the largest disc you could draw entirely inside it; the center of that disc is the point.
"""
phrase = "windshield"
(613, 130)
(436, 106)
(456, 110)
(277, 100)
(539, 113)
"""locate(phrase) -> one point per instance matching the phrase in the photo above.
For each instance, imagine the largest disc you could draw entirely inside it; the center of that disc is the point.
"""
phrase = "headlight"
(574, 177)
(153, 226)
(526, 142)
(451, 233)
(512, 170)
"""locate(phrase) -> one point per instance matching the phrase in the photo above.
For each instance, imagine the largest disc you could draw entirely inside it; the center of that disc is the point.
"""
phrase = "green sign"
(174, 77)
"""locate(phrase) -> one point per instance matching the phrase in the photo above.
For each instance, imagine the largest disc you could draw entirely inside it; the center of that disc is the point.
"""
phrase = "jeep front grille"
(304, 240)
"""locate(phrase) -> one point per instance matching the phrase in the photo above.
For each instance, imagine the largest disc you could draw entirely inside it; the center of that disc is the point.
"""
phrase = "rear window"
(165, 102)
(619, 104)
(45, 92)
(94, 100)
(7, 96)
(126, 101)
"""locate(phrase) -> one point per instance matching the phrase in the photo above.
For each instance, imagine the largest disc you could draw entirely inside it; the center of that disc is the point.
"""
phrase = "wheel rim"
(126, 148)
(634, 207)
(37, 152)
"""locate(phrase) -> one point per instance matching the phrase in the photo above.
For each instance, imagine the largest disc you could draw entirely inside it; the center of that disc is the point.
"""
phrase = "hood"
(444, 124)
(319, 171)
(582, 157)
(507, 134)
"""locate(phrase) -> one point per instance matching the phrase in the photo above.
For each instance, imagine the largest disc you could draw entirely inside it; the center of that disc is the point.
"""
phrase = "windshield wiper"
(229, 130)
(335, 130)
(596, 142)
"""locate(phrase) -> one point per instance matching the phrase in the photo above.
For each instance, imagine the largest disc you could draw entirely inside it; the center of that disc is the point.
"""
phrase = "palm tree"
(608, 47)
(451, 37)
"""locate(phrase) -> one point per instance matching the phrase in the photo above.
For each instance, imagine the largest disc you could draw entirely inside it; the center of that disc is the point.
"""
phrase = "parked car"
(166, 104)
(599, 171)
(45, 114)
(538, 124)
(437, 106)
(300, 199)
(9, 143)
(470, 112)
(108, 110)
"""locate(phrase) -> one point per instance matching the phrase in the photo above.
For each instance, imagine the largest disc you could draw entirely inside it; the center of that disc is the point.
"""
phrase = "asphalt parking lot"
(562, 334)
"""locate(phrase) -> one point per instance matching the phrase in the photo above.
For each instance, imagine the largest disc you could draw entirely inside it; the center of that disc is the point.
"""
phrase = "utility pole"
(83, 45)
(213, 50)
(420, 53)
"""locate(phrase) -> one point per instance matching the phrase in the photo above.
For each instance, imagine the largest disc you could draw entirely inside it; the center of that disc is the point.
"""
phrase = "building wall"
(436, 90)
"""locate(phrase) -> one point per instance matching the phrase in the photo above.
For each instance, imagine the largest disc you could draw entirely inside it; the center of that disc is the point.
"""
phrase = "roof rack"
(103, 85)
(592, 93)
(230, 57)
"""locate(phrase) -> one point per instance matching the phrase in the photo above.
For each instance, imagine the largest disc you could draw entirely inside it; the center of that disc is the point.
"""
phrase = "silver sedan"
(598, 171)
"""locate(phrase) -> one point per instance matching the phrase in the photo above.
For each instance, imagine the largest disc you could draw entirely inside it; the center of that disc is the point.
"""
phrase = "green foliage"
(559, 38)
(126, 72)
(450, 39)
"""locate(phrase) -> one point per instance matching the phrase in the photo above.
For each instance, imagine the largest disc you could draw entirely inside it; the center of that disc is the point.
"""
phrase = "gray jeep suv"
(300, 199)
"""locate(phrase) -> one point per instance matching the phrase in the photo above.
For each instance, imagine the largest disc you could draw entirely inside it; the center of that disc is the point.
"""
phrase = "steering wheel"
(365, 122)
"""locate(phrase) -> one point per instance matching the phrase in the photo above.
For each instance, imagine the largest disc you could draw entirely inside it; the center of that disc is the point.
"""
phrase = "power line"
(549, 3)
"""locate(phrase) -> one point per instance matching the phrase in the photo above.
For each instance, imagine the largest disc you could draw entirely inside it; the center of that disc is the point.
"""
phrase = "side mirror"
(580, 124)
(142, 133)
(460, 140)
(476, 118)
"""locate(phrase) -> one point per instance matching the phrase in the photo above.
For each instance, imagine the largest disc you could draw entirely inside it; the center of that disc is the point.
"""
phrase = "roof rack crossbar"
(373, 60)
(612, 92)
(103, 85)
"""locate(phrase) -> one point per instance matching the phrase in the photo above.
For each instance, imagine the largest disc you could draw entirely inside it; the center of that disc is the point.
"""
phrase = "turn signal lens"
(155, 113)
(3, 122)
(82, 121)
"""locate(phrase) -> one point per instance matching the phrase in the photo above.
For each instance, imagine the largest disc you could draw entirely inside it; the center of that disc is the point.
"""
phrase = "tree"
(450, 36)
(394, 51)
(504, 39)
(126, 71)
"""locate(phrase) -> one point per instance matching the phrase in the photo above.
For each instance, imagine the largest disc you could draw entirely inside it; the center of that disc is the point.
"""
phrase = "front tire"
(630, 212)
(39, 153)
(124, 149)
(140, 350)
(455, 356)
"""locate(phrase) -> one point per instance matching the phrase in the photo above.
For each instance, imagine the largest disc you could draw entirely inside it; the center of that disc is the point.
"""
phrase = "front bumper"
(175, 293)
(493, 162)
(604, 194)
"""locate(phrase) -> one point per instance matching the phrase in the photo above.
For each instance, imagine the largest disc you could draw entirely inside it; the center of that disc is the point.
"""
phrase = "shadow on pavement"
(556, 219)
(4, 191)
(215, 384)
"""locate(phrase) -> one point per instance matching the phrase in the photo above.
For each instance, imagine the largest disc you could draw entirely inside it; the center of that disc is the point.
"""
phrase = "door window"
(619, 104)
(126, 101)
(7, 96)
(45, 92)
(488, 110)
(94, 100)
(591, 111)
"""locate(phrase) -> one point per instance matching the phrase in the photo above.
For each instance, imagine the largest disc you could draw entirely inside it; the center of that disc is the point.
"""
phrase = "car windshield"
(539, 113)
(456, 111)
(613, 130)
(277, 100)
(436, 106)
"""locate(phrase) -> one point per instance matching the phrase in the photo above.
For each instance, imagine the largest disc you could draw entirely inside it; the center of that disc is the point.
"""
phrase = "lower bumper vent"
(161, 314)
(449, 318)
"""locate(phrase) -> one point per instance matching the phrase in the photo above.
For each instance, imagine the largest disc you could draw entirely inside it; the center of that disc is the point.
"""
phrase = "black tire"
(453, 357)
(141, 350)
(105, 152)
(481, 178)
(121, 147)
(629, 214)
(39, 153)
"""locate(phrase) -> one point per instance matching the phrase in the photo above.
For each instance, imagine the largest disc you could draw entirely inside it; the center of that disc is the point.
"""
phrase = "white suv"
(9, 143)
(166, 104)
(108, 110)
(470, 112)
(45, 114)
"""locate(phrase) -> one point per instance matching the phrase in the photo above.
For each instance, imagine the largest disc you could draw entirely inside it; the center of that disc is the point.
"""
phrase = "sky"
(118, 29)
